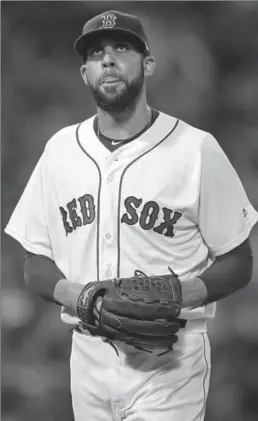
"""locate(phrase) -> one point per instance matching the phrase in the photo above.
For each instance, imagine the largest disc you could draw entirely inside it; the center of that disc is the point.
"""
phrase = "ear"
(83, 71)
(149, 64)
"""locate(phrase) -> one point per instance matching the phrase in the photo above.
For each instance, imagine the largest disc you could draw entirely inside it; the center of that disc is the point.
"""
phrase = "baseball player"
(133, 189)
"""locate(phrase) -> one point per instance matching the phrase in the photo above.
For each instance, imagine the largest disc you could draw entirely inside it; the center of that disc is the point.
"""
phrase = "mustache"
(110, 74)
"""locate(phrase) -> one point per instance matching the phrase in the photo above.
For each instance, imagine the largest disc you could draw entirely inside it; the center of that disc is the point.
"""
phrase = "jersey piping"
(120, 190)
(98, 200)
(204, 377)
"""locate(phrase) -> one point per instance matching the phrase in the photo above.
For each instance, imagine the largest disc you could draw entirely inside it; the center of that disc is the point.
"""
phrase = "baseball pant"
(121, 383)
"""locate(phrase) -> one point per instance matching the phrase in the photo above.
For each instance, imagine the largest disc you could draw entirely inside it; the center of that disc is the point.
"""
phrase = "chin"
(112, 91)
(113, 100)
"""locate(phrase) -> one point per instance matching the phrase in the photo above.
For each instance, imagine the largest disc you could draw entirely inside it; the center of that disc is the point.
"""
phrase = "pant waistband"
(194, 326)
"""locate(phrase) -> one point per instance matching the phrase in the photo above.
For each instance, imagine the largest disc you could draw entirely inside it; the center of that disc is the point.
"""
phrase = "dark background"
(207, 69)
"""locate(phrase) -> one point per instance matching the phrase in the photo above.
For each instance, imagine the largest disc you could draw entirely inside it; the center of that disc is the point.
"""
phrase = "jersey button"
(108, 236)
(110, 178)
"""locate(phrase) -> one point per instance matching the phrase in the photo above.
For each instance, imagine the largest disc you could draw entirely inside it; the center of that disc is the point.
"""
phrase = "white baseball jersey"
(168, 198)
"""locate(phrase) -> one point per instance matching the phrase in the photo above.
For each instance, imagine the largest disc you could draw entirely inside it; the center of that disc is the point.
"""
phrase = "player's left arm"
(225, 220)
(229, 273)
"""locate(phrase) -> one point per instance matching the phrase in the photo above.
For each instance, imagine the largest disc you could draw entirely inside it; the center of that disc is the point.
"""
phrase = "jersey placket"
(108, 253)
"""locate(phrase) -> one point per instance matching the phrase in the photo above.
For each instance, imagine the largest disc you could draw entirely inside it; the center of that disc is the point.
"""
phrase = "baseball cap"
(112, 21)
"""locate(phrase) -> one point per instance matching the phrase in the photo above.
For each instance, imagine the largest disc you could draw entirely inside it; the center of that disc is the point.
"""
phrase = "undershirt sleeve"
(42, 275)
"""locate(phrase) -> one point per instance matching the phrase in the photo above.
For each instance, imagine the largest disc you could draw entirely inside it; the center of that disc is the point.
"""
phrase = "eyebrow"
(99, 43)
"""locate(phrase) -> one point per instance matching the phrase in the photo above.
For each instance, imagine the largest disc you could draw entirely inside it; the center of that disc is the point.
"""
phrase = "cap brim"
(85, 41)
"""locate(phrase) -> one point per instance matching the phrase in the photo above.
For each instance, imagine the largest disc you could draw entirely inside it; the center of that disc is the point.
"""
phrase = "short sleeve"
(28, 222)
(226, 215)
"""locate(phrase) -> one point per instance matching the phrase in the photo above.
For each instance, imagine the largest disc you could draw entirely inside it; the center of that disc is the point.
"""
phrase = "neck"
(126, 123)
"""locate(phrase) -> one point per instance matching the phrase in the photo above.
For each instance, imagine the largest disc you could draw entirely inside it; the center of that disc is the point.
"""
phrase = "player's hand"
(96, 309)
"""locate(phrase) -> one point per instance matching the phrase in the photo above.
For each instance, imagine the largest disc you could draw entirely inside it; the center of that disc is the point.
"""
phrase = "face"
(114, 72)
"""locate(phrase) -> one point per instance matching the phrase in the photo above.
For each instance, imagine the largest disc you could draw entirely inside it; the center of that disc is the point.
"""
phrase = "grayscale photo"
(129, 210)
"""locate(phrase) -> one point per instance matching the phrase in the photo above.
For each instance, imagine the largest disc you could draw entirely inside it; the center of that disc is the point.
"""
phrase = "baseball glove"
(141, 310)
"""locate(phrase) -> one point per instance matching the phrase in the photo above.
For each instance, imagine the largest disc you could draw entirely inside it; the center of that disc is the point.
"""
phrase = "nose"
(108, 58)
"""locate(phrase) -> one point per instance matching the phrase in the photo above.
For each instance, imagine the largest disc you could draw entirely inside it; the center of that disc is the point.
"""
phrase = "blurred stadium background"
(207, 74)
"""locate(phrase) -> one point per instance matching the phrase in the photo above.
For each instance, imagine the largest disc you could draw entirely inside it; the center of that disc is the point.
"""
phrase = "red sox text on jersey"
(81, 211)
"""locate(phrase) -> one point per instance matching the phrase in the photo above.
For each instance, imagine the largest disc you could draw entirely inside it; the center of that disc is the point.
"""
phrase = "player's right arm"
(34, 225)
(43, 277)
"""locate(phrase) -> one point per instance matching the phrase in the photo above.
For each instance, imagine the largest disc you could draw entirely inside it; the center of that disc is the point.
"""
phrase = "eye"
(94, 51)
(122, 47)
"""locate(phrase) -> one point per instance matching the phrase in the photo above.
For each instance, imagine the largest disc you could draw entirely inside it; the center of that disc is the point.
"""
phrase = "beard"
(118, 97)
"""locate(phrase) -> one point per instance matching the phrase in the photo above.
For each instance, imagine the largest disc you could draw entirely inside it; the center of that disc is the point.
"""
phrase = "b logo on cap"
(108, 21)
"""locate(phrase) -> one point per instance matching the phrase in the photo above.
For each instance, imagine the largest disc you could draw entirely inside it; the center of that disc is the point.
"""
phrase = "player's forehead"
(112, 38)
